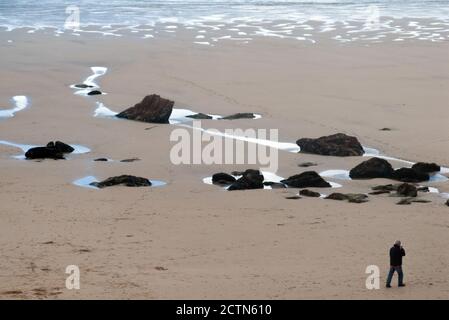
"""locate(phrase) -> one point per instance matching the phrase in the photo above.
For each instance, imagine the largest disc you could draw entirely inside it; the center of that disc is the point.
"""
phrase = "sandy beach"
(190, 240)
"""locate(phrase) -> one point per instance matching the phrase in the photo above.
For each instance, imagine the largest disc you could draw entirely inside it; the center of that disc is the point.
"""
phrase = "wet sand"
(213, 243)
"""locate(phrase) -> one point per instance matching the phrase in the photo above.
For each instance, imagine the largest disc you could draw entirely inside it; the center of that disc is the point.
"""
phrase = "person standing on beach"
(396, 254)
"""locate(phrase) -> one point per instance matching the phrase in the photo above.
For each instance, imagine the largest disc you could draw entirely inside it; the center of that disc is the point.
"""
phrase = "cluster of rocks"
(254, 179)
(381, 168)
(53, 150)
(155, 109)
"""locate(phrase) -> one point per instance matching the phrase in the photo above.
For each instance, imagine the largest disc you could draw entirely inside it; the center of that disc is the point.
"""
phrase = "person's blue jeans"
(398, 269)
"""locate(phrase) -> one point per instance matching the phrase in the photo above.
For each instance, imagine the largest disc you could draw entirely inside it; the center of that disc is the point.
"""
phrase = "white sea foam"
(20, 102)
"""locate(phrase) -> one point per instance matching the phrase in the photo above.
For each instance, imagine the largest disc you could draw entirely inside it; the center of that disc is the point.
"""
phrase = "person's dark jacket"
(396, 254)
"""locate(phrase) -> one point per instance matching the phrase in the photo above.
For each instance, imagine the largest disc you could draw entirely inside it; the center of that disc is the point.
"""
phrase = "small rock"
(101, 159)
(309, 193)
(372, 168)
(251, 179)
(223, 179)
(60, 146)
(407, 190)
(409, 175)
(447, 202)
(426, 167)
(423, 189)
(126, 180)
(200, 116)
(385, 129)
(82, 86)
(337, 196)
(43, 153)
(274, 185)
(386, 187)
(130, 160)
(379, 192)
(94, 93)
(308, 179)
(161, 268)
(407, 201)
(293, 197)
(350, 197)
(307, 164)
(340, 145)
(239, 116)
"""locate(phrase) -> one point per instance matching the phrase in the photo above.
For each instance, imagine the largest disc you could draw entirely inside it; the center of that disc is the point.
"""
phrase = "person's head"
(397, 243)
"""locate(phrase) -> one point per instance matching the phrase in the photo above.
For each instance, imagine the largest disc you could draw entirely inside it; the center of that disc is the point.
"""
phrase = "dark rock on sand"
(375, 193)
(447, 202)
(385, 187)
(274, 185)
(126, 180)
(101, 159)
(308, 179)
(82, 86)
(426, 167)
(251, 179)
(340, 145)
(94, 93)
(309, 193)
(61, 147)
(407, 201)
(372, 168)
(152, 108)
(293, 197)
(222, 178)
(407, 190)
(239, 116)
(307, 164)
(44, 153)
(385, 129)
(130, 160)
(350, 197)
(200, 116)
(409, 175)
(423, 189)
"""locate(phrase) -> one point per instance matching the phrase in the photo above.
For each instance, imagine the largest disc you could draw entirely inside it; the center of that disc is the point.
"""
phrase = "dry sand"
(217, 244)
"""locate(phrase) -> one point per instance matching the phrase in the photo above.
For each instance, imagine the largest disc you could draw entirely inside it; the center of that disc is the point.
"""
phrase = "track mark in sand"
(213, 92)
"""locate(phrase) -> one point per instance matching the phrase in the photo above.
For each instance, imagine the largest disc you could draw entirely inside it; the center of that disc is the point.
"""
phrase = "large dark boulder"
(407, 190)
(251, 179)
(426, 167)
(410, 175)
(60, 146)
(222, 178)
(340, 145)
(152, 108)
(126, 180)
(308, 179)
(44, 153)
(372, 168)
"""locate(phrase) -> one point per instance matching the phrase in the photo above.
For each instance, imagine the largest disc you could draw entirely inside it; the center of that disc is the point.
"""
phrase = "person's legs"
(400, 275)
(390, 276)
